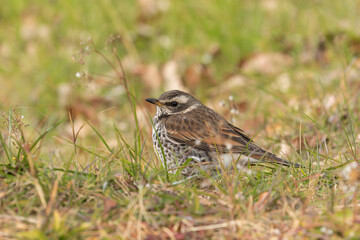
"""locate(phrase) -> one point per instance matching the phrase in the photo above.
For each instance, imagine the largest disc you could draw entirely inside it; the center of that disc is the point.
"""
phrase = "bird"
(190, 137)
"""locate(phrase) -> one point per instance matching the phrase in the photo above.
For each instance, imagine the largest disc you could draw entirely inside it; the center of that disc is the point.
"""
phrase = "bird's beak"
(154, 101)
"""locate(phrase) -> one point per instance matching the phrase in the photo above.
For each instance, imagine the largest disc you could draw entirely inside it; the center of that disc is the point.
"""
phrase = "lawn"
(76, 155)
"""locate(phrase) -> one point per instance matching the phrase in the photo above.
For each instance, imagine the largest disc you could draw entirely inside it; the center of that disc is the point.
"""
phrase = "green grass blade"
(99, 135)
(5, 149)
(45, 133)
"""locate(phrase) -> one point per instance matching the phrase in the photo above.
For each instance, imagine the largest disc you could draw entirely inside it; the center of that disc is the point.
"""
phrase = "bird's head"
(174, 102)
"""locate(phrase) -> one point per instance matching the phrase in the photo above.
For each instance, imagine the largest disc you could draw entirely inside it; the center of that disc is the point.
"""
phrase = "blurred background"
(260, 63)
(74, 163)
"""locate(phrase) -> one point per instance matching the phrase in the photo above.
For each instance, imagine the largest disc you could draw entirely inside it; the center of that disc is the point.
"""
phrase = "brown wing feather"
(212, 133)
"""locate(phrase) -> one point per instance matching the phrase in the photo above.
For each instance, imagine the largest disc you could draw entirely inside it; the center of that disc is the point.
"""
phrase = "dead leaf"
(241, 106)
(172, 78)
(2, 194)
(354, 175)
(149, 9)
(150, 76)
(193, 75)
(234, 81)
(308, 141)
(271, 63)
(31, 29)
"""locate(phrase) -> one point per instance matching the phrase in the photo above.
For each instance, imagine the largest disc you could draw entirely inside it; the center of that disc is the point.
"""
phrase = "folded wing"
(212, 133)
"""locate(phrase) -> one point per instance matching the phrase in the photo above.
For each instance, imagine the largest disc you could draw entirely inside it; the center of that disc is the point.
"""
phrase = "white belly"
(240, 161)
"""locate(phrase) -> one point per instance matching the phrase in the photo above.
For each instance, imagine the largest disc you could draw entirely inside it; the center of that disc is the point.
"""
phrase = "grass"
(77, 160)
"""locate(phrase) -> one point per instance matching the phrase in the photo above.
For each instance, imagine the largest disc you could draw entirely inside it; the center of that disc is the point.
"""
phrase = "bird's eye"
(174, 104)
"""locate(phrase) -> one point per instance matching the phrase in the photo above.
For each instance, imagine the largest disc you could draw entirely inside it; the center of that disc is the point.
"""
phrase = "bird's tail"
(269, 157)
(285, 163)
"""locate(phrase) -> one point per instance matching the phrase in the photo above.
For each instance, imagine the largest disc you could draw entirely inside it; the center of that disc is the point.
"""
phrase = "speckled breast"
(164, 147)
(176, 154)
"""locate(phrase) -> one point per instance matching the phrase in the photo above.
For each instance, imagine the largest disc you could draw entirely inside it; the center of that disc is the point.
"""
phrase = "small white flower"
(326, 230)
(78, 74)
(231, 98)
(197, 142)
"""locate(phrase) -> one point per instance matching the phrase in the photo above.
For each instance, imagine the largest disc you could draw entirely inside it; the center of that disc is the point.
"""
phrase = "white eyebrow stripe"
(191, 108)
(181, 99)
(187, 110)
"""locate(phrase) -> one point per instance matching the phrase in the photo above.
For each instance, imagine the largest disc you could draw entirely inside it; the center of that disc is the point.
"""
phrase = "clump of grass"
(121, 192)
(109, 184)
